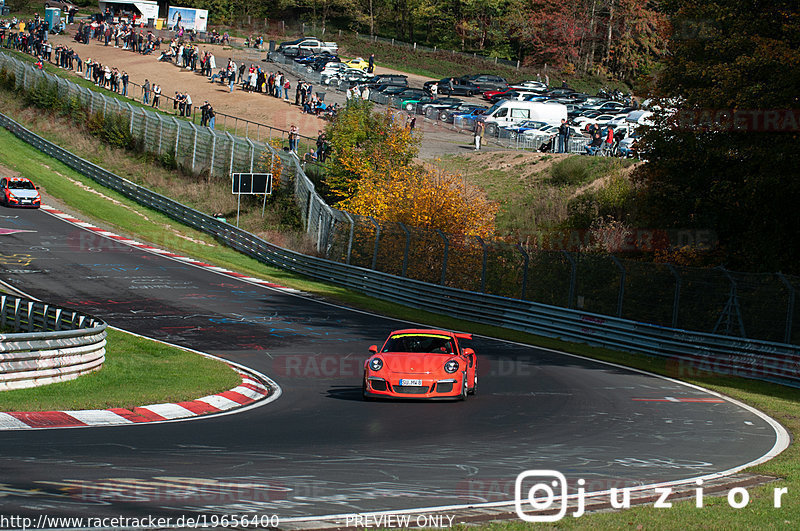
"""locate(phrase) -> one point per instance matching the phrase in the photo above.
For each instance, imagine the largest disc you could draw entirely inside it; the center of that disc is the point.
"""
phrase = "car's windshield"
(21, 185)
(419, 343)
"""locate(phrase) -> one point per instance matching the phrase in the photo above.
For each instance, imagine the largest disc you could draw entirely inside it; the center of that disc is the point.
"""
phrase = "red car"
(19, 191)
(418, 363)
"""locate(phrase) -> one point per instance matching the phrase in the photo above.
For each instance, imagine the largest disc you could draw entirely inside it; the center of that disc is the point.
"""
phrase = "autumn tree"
(373, 173)
(727, 159)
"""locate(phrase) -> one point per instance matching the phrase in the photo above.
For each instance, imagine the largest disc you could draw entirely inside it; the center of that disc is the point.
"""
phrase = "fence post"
(405, 251)
(731, 307)
(350, 239)
(213, 152)
(524, 271)
(160, 131)
(572, 278)
(194, 144)
(252, 153)
(622, 274)
(131, 109)
(233, 146)
(444, 258)
(787, 336)
(144, 136)
(177, 136)
(377, 241)
(676, 301)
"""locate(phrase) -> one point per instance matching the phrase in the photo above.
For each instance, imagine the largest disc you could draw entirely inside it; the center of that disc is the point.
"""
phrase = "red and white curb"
(80, 223)
(247, 393)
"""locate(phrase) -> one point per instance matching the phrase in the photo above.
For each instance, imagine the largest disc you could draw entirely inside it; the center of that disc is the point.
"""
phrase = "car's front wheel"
(464, 389)
(474, 384)
(491, 130)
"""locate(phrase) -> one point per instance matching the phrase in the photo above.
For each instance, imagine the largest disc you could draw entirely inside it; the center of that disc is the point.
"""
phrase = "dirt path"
(256, 107)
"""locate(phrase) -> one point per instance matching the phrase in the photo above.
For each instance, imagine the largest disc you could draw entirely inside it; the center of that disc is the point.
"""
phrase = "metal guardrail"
(688, 351)
(199, 149)
(50, 344)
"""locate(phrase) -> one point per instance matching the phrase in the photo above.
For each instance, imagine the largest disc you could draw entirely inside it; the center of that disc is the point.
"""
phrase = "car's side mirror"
(469, 352)
(373, 349)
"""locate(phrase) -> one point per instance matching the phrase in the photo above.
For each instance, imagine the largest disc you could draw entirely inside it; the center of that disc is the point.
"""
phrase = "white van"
(511, 112)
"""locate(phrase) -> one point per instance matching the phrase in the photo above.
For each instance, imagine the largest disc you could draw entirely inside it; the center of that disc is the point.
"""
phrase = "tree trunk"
(592, 49)
(371, 20)
(610, 26)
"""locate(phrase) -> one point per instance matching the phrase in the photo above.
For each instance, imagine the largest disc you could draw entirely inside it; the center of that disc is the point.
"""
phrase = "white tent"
(147, 8)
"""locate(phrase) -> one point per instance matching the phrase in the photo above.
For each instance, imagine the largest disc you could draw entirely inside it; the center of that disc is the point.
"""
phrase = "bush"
(113, 129)
(8, 80)
(43, 95)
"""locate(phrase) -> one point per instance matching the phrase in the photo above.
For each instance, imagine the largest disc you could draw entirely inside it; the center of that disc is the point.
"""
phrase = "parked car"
(452, 85)
(468, 110)
(421, 363)
(20, 192)
(306, 46)
(390, 79)
(358, 63)
(312, 57)
(511, 112)
(319, 64)
(486, 82)
(410, 97)
(600, 119)
(346, 77)
(431, 109)
(513, 94)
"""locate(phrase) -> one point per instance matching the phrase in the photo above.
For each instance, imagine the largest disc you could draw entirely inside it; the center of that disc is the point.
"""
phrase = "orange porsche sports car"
(419, 363)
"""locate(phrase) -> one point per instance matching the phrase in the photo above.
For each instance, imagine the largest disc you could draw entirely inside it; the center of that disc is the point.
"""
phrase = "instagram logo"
(540, 489)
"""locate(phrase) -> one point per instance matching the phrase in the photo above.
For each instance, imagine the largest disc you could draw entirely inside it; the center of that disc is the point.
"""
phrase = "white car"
(602, 119)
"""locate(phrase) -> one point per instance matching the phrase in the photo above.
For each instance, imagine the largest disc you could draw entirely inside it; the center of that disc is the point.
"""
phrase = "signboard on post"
(252, 183)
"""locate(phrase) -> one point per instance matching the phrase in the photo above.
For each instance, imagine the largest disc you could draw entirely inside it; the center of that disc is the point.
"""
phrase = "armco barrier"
(689, 351)
(50, 344)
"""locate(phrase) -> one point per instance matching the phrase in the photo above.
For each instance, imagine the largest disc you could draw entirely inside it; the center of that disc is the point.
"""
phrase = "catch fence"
(760, 306)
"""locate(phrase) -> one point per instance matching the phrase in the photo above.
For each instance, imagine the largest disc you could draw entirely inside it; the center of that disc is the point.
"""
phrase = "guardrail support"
(622, 274)
(787, 336)
(444, 258)
(573, 276)
(377, 241)
(524, 271)
(405, 249)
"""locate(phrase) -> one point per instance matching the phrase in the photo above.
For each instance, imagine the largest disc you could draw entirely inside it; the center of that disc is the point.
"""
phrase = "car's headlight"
(376, 364)
(451, 366)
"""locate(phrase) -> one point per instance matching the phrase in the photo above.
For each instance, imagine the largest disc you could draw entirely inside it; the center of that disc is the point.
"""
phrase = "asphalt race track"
(319, 449)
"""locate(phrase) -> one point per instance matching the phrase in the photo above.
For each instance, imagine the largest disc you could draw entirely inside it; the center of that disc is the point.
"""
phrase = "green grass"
(136, 372)
(533, 190)
(780, 402)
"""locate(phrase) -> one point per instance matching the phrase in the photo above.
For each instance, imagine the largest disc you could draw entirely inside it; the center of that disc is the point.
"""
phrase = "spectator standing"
(146, 92)
(212, 116)
(320, 144)
(156, 94)
(204, 113)
(294, 135)
(187, 102)
(563, 132)
(371, 67)
(479, 128)
(286, 87)
(125, 79)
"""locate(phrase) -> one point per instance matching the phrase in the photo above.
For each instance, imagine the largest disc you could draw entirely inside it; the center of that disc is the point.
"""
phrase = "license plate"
(411, 383)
